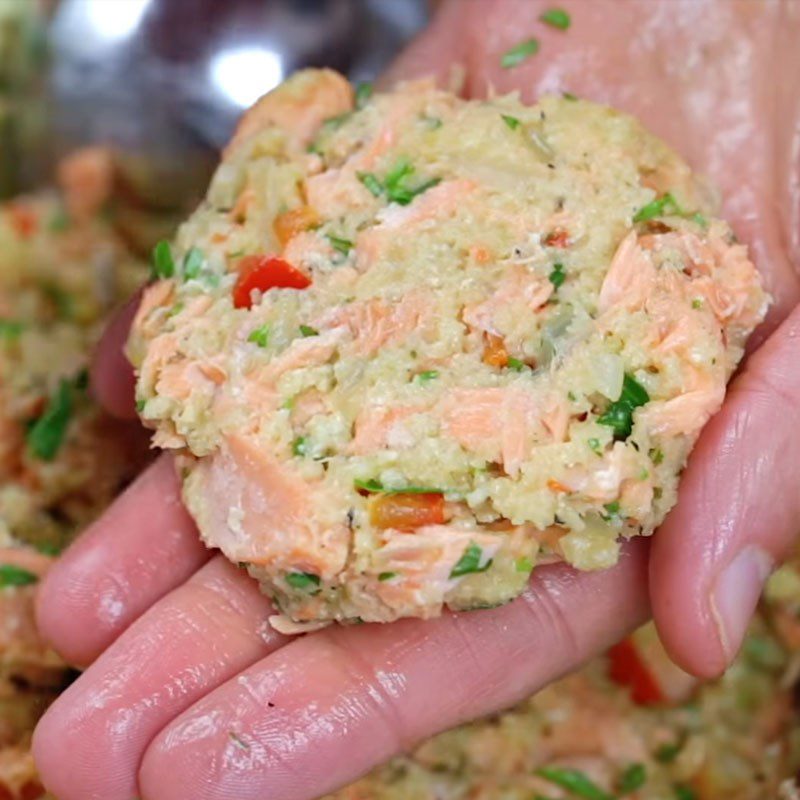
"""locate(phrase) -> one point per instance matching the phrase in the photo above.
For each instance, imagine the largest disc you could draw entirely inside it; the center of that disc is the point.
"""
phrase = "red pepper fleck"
(557, 238)
(263, 273)
(626, 668)
(23, 220)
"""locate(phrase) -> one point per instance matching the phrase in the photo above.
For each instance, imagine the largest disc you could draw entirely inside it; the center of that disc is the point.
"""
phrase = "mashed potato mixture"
(412, 345)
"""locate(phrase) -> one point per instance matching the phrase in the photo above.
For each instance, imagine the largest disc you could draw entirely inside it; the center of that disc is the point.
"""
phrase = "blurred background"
(164, 81)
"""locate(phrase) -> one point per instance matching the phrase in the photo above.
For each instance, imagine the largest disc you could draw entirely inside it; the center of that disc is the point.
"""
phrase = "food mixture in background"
(412, 345)
(628, 725)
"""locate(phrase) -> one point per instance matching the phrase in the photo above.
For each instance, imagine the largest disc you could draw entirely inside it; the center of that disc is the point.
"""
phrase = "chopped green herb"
(46, 435)
(523, 564)
(665, 204)
(259, 336)
(594, 443)
(519, 53)
(556, 18)
(238, 741)
(571, 397)
(163, 264)
(395, 183)
(557, 276)
(699, 219)
(667, 752)
(12, 575)
(516, 364)
(434, 123)
(344, 246)
(386, 576)
(334, 123)
(512, 122)
(612, 508)
(373, 487)
(763, 652)
(569, 96)
(140, 404)
(176, 309)
(302, 580)
(656, 455)
(10, 329)
(574, 781)
(470, 562)
(363, 94)
(307, 330)
(192, 263)
(59, 221)
(371, 182)
(644, 474)
(619, 415)
(300, 446)
(697, 303)
(633, 778)
(427, 376)
(685, 793)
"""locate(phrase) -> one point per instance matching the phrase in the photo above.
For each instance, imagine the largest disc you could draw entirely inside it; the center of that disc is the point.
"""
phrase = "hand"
(191, 694)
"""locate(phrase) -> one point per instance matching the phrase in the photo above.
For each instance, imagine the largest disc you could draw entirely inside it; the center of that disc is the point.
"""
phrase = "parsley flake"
(192, 263)
(556, 18)
(300, 446)
(470, 562)
(363, 94)
(302, 580)
(163, 265)
(619, 414)
(574, 781)
(427, 376)
(512, 122)
(633, 778)
(666, 204)
(259, 336)
(307, 330)
(519, 53)
(344, 246)
(386, 576)
(557, 276)
(47, 434)
(12, 575)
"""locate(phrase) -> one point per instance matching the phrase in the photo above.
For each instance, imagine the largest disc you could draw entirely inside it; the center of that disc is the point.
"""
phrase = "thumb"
(738, 514)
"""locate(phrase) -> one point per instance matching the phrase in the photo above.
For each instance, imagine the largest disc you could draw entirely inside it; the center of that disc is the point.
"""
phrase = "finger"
(90, 742)
(141, 548)
(113, 381)
(739, 511)
(329, 706)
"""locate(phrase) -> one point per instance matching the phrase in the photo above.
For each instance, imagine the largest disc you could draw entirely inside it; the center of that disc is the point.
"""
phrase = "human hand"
(191, 694)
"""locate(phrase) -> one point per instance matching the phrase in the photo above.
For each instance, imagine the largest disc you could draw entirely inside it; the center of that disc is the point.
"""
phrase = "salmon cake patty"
(411, 345)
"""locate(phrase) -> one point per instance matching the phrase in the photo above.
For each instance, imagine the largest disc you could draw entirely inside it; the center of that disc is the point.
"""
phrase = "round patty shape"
(410, 346)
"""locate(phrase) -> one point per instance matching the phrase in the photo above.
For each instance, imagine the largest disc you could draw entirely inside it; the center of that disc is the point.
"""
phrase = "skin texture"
(194, 697)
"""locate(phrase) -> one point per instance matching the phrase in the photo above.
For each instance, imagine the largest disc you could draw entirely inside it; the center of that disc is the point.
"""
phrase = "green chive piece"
(569, 96)
(344, 246)
(373, 487)
(523, 564)
(633, 778)
(519, 53)
(163, 264)
(512, 122)
(307, 330)
(11, 575)
(47, 434)
(684, 793)
(302, 580)
(699, 219)
(433, 123)
(372, 184)
(10, 329)
(427, 376)
(612, 508)
(656, 455)
(192, 263)
(259, 336)
(140, 404)
(300, 446)
(574, 781)
(667, 753)
(697, 303)
(516, 364)
(363, 94)
(594, 443)
(370, 485)
(619, 415)
(386, 576)
(470, 562)
(556, 18)
(666, 204)
(557, 276)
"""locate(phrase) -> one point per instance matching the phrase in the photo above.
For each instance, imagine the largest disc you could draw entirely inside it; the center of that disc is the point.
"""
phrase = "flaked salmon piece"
(380, 426)
(157, 295)
(299, 106)
(630, 278)
(375, 323)
(336, 192)
(518, 284)
(686, 414)
(255, 509)
(603, 480)
(306, 248)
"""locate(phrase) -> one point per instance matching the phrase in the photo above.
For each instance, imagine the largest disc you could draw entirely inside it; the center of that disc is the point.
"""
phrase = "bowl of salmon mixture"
(410, 345)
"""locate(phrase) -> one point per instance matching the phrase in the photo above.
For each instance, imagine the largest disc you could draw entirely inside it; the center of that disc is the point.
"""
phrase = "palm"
(195, 696)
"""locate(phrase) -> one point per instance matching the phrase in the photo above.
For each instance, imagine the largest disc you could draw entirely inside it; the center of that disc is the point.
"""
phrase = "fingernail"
(735, 595)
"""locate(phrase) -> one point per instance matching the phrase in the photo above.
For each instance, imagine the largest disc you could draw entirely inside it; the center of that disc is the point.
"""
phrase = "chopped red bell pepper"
(265, 272)
(627, 668)
(23, 220)
(557, 238)
(407, 510)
